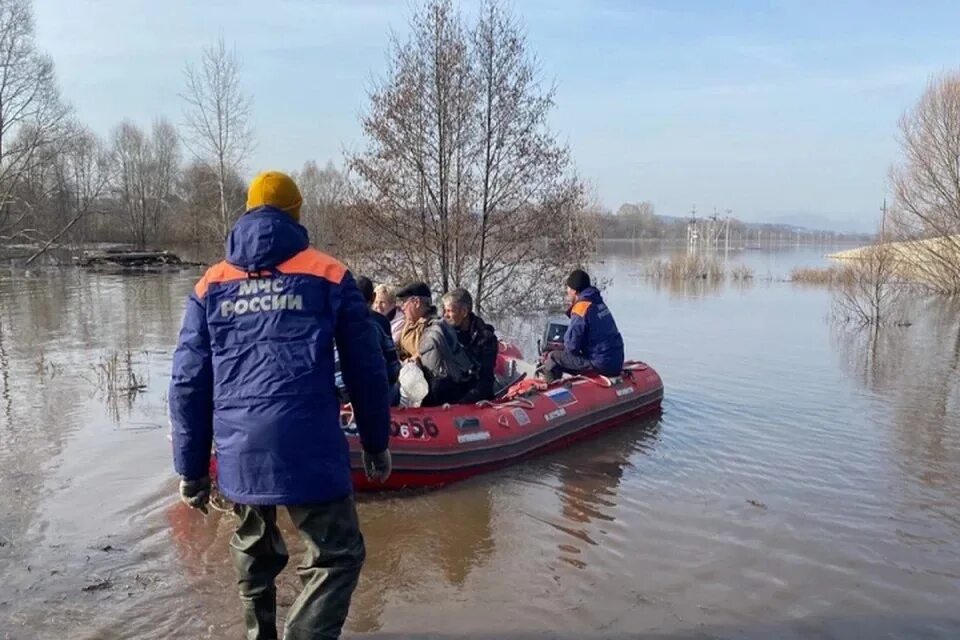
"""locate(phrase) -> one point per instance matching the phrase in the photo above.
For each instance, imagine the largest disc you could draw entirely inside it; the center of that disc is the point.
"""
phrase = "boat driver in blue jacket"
(253, 376)
(592, 342)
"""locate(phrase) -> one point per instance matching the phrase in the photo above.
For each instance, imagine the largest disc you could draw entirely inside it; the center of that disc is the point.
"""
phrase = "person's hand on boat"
(195, 493)
(377, 466)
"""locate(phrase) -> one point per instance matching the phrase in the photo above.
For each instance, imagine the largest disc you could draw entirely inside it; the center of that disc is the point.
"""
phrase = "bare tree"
(146, 169)
(324, 194)
(521, 161)
(418, 132)
(643, 209)
(198, 193)
(34, 195)
(218, 131)
(83, 172)
(30, 108)
(926, 186)
(462, 179)
(867, 288)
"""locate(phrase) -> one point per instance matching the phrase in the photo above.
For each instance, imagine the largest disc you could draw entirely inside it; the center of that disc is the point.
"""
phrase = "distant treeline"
(640, 222)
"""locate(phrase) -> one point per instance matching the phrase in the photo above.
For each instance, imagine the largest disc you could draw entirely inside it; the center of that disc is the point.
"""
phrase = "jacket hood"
(590, 294)
(263, 238)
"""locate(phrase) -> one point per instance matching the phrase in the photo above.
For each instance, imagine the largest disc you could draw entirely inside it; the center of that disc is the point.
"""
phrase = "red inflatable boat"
(434, 446)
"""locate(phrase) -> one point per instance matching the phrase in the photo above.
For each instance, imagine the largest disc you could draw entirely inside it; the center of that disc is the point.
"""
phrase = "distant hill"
(817, 222)
(799, 222)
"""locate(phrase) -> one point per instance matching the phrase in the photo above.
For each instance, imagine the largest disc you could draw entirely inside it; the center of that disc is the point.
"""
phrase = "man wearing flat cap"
(433, 344)
(592, 342)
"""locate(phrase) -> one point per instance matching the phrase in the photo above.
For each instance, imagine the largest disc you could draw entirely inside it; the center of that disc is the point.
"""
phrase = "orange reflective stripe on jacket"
(223, 271)
(307, 262)
(314, 263)
(580, 308)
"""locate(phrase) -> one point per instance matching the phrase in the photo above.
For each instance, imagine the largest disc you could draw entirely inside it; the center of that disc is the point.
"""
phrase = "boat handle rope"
(601, 381)
(606, 382)
(516, 402)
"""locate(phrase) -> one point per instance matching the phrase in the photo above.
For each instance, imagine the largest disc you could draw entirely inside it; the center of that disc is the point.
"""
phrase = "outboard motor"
(553, 333)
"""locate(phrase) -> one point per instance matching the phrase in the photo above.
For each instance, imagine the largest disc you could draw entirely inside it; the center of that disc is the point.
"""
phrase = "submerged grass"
(117, 379)
(696, 267)
(741, 273)
(819, 276)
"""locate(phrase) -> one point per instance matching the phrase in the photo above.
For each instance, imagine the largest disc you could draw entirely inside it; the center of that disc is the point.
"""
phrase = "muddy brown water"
(801, 482)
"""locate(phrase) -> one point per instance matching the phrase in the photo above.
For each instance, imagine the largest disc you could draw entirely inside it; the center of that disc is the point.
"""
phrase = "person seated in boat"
(385, 303)
(383, 335)
(592, 342)
(429, 341)
(477, 337)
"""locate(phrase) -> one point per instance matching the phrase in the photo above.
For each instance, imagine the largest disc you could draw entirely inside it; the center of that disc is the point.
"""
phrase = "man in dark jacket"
(592, 342)
(477, 337)
(253, 374)
(433, 344)
(383, 331)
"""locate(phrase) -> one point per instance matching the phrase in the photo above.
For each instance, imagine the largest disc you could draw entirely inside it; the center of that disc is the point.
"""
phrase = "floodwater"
(802, 481)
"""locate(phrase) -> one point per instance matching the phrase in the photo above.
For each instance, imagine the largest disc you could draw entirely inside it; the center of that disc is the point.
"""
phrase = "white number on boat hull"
(556, 413)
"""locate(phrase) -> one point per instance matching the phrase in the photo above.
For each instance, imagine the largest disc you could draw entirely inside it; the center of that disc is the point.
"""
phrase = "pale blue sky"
(769, 108)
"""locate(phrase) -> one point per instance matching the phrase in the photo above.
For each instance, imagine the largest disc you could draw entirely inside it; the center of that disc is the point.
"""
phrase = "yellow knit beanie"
(275, 189)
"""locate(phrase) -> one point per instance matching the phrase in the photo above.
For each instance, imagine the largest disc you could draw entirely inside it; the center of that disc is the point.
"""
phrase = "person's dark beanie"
(366, 288)
(578, 280)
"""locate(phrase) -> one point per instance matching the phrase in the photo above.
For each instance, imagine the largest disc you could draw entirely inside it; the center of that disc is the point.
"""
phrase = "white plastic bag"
(413, 385)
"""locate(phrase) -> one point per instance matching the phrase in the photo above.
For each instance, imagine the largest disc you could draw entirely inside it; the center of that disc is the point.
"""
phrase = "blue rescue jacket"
(253, 371)
(593, 334)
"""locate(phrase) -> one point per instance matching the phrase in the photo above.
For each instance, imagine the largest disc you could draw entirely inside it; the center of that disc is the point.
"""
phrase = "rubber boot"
(259, 555)
(260, 615)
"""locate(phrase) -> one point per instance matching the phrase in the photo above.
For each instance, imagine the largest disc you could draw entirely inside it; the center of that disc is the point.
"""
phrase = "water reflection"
(916, 371)
(589, 478)
(420, 547)
(5, 394)
(916, 365)
(417, 546)
(200, 540)
(873, 355)
(688, 287)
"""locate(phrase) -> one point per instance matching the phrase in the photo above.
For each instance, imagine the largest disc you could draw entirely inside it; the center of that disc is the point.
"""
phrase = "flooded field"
(802, 481)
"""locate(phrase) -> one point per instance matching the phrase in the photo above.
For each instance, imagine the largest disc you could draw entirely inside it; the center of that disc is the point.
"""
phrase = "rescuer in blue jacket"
(253, 375)
(592, 342)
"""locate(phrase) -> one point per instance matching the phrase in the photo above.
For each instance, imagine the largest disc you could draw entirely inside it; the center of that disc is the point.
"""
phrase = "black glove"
(196, 493)
(377, 465)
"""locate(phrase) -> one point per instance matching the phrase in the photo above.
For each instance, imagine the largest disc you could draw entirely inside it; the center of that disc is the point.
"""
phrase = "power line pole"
(692, 234)
(883, 222)
(726, 235)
